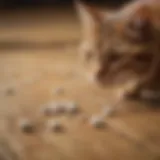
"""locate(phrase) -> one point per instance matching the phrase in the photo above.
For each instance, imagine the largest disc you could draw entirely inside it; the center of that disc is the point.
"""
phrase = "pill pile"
(54, 109)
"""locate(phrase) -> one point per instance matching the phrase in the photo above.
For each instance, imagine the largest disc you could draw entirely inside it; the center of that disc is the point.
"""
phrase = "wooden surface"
(38, 53)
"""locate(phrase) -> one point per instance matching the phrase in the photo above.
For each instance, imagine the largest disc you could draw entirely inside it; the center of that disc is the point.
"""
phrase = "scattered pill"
(27, 126)
(48, 111)
(97, 122)
(55, 108)
(54, 126)
(73, 108)
(60, 108)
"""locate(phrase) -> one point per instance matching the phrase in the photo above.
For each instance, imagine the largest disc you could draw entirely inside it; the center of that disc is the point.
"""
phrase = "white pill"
(97, 122)
(72, 108)
(54, 126)
(60, 108)
(48, 111)
(54, 109)
(26, 126)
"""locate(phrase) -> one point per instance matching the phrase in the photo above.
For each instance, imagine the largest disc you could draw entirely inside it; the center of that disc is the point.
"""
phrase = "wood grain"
(33, 73)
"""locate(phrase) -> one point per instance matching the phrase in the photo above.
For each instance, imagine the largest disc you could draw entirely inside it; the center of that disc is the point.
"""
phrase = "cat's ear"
(88, 13)
(91, 17)
(139, 26)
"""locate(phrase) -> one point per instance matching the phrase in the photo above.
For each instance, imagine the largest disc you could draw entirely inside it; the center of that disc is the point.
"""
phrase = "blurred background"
(31, 3)
(23, 22)
(38, 56)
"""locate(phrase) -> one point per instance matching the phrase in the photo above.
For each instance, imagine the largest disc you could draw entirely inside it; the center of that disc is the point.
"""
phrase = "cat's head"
(125, 42)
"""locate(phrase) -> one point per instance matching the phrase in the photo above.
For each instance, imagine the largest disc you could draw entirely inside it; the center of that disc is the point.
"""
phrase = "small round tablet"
(60, 108)
(54, 126)
(48, 110)
(54, 109)
(26, 126)
(97, 122)
(72, 108)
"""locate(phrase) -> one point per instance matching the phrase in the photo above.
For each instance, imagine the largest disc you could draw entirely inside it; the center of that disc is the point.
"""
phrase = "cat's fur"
(125, 44)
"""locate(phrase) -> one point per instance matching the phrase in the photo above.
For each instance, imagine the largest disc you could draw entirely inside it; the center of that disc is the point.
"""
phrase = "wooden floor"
(38, 54)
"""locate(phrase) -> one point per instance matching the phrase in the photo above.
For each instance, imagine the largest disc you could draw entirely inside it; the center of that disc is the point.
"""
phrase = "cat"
(125, 44)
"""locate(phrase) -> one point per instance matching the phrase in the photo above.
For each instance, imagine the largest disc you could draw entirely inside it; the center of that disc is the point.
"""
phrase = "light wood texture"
(48, 61)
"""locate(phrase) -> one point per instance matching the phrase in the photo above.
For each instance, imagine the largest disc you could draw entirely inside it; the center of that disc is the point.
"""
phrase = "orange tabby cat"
(126, 46)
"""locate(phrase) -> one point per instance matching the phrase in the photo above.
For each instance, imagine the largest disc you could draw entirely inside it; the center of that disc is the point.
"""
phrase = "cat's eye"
(142, 57)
